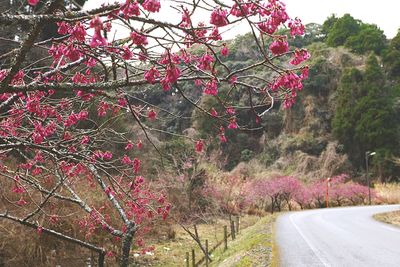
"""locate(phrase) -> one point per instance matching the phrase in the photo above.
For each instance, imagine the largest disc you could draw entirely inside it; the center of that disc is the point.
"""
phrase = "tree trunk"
(126, 244)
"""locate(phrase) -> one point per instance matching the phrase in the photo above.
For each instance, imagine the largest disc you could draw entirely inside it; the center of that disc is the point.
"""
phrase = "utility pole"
(367, 154)
(328, 183)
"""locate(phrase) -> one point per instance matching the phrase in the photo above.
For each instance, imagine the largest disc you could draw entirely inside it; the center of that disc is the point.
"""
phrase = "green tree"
(328, 24)
(343, 121)
(391, 57)
(365, 118)
(342, 29)
(369, 39)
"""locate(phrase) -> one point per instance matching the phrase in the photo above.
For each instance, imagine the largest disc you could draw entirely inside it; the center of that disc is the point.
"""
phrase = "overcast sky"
(384, 13)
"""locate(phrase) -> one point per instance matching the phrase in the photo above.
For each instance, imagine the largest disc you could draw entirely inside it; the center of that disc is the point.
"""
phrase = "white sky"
(384, 13)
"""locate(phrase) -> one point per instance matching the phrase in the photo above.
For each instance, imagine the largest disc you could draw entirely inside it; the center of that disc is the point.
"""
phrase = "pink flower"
(82, 115)
(269, 26)
(222, 138)
(136, 165)
(214, 35)
(98, 39)
(3, 74)
(199, 146)
(130, 9)
(219, 17)
(171, 76)
(304, 73)
(152, 115)
(230, 111)
(142, 56)
(39, 230)
(205, 62)
(300, 56)
(63, 28)
(21, 202)
(37, 138)
(240, 10)
(210, 88)
(213, 112)
(139, 179)
(127, 53)
(33, 2)
(102, 109)
(224, 50)
(107, 155)
(139, 144)
(233, 80)
(96, 23)
(129, 146)
(126, 160)
(85, 140)
(151, 75)
(67, 136)
(279, 46)
(258, 119)
(296, 27)
(186, 21)
(198, 82)
(138, 39)
(110, 254)
(122, 102)
(18, 189)
(232, 124)
(151, 5)
(78, 32)
(36, 171)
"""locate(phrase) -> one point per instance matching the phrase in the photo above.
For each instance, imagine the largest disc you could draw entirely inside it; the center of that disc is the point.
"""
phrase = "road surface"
(342, 237)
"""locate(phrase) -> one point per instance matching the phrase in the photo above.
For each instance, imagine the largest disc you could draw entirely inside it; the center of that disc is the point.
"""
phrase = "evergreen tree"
(328, 24)
(391, 57)
(365, 118)
(369, 39)
(342, 29)
(344, 119)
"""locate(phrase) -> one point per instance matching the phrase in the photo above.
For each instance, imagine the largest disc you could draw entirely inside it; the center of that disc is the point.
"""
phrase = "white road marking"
(312, 247)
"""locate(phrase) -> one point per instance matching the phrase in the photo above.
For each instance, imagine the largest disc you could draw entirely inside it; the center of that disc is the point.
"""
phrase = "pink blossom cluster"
(288, 191)
(300, 55)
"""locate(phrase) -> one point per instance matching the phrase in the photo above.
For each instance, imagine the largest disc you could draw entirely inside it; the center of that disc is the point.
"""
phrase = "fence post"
(193, 258)
(101, 259)
(237, 224)
(233, 230)
(206, 252)
(187, 259)
(226, 237)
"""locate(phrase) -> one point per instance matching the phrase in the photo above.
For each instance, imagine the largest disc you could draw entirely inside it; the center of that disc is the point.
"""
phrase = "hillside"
(297, 141)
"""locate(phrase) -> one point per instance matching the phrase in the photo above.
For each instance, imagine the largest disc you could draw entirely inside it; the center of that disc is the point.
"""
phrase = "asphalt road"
(338, 237)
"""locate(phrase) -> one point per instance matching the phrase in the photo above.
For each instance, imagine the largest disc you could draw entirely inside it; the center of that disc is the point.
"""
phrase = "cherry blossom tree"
(59, 114)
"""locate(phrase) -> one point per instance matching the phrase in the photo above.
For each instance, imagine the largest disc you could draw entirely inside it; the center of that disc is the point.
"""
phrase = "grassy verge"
(275, 250)
(173, 252)
(392, 217)
(252, 247)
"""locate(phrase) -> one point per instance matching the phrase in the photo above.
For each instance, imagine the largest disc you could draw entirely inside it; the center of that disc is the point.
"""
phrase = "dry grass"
(392, 217)
(173, 252)
(388, 193)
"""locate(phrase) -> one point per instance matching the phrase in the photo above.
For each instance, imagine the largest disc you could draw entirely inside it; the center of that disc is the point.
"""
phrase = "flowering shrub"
(274, 193)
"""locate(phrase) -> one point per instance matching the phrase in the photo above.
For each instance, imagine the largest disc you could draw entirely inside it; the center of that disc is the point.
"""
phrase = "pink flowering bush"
(286, 191)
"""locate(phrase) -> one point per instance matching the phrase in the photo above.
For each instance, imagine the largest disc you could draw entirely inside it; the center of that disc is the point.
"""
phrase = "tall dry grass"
(388, 193)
